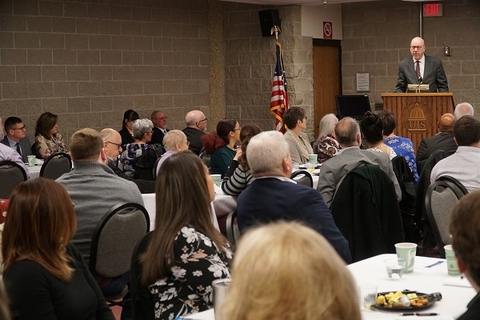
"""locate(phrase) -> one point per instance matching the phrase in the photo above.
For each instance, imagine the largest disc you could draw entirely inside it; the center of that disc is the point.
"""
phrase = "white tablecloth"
(456, 292)
(35, 171)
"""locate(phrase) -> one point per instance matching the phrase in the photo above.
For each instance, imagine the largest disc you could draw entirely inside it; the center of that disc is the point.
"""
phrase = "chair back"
(115, 237)
(231, 228)
(155, 168)
(302, 177)
(442, 195)
(11, 175)
(142, 302)
(56, 165)
(205, 158)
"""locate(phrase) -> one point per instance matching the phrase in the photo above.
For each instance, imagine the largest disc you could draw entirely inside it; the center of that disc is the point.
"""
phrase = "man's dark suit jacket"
(271, 199)
(473, 312)
(433, 74)
(441, 141)
(157, 136)
(24, 144)
(194, 136)
(145, 186)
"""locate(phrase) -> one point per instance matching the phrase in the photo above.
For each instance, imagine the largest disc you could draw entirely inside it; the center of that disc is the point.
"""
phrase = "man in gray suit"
(335, 169)
(15, 137)
(420, 69)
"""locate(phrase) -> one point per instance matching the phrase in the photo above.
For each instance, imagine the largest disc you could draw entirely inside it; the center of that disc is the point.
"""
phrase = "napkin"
(457, 282)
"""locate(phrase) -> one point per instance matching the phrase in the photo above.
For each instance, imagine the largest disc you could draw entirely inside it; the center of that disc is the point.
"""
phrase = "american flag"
(279, 100)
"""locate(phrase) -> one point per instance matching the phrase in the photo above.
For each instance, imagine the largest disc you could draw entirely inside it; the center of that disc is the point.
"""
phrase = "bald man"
(443, 140)
(420, 68)
(196, 125)
(463, 109)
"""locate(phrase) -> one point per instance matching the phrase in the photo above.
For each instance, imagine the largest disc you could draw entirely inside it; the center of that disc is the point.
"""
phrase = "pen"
(419, 314)
(434, 264)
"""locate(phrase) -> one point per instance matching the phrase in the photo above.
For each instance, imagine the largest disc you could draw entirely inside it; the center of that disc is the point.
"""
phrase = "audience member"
(196, 125)
(372, 130)
(15, 137)
(174, 141)
(326, 146)
(401, 145)
(288, 257)
(186, 252)
(159, 120)
(112, 144)
(94, 190)
(129, 117)
(296, 122)
(274, 196)
(443, 140)
(238, 176)
(47, 139)
(8, 154)
(142, 133)
(463, 109)
(465, 233)
(45, 276)
(222, 145)
(347, 132)
(463, 164)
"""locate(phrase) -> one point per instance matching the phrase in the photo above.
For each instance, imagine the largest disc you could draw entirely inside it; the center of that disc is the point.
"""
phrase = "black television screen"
(353, 106)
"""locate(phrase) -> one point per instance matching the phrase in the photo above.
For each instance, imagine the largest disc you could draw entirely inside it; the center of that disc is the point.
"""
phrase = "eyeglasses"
(116, 144)
(161, 118)
(202, 121)
(22, 128)
(416, 47)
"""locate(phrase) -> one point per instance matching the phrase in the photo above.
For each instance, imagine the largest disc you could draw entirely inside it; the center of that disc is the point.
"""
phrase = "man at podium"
(421, 70)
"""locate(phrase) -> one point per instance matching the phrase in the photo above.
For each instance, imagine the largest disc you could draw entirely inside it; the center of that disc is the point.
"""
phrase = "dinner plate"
(431, 301)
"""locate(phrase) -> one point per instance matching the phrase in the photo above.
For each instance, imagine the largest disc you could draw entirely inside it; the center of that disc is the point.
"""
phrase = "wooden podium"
(418, 113)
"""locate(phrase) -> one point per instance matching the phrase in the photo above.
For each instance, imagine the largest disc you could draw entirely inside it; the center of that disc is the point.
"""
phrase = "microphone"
(420, 80)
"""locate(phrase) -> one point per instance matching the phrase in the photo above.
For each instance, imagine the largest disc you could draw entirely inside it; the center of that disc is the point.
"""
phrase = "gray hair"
(346, 132)
(140, 127)
(463, 109)
(266, 152)
(173, 138)
(327, 124)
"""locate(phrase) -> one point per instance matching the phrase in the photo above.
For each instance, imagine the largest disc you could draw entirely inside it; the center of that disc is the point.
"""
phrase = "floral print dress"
(188, 287)
(46, 147)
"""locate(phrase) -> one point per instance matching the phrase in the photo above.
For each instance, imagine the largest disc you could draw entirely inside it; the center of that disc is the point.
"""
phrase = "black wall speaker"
(268, 18)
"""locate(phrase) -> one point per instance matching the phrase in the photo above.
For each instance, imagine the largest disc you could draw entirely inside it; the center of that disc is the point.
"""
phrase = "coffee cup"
(32, 160)
(407, 251)
(217, 179)
(312, 158)
(220, 293)
(451, 261)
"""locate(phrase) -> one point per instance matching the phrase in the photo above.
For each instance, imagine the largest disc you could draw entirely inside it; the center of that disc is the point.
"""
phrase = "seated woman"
(372, 130)
(129, 117)
(186, 252)
(45, 276)
(174, 141)
(238, 176)
(47, 138)
(142, 133)
(402, 146)
(326, 146)
(288, 271)
(296, 122)
(221, 145)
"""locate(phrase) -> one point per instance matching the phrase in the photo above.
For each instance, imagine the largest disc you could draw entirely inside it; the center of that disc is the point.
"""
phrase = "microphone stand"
(419, 83)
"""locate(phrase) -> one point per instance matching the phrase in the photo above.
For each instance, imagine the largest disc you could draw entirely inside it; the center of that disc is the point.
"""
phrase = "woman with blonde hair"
(288, 271)
(186, 252)
(45, 276)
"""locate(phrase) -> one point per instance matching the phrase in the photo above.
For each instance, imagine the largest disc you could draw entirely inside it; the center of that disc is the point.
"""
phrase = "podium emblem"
(416, 120)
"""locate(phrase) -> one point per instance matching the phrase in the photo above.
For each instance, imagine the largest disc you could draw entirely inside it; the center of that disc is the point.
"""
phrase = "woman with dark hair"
(372, 130)
(45, 276)
(47, 138)
(186, 252)
(126, 132)
(402, 146)
(238, 176)
(296, 122)
(221, 145)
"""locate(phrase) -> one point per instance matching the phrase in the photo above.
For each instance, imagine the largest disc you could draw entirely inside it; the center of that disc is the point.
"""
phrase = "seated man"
(94, 190)
(333, 170)
(9, 154)
(15, 137)
(463, 109)
(463, 164)
(112, 143)
(274, 196)
(195, 129)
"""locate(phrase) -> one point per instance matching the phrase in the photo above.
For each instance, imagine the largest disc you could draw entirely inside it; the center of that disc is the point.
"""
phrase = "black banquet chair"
(11, 175)
(114, 240)
(302, 177)
(56, 165)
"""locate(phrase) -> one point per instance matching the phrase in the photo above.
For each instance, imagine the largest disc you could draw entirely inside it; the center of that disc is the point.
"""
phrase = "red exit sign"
(433, 9)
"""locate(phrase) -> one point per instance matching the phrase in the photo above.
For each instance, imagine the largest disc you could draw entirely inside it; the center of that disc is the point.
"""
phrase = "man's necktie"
(417, 69)
(18, 148)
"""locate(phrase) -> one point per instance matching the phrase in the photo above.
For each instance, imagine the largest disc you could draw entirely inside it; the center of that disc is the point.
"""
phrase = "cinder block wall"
(88, 61)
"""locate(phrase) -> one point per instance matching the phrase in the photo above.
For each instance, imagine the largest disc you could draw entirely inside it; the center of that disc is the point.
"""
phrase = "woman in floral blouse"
(47, 138)
(186, 253)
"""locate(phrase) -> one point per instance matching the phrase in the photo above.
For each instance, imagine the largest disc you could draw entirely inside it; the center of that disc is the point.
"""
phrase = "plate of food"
(405, 300)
